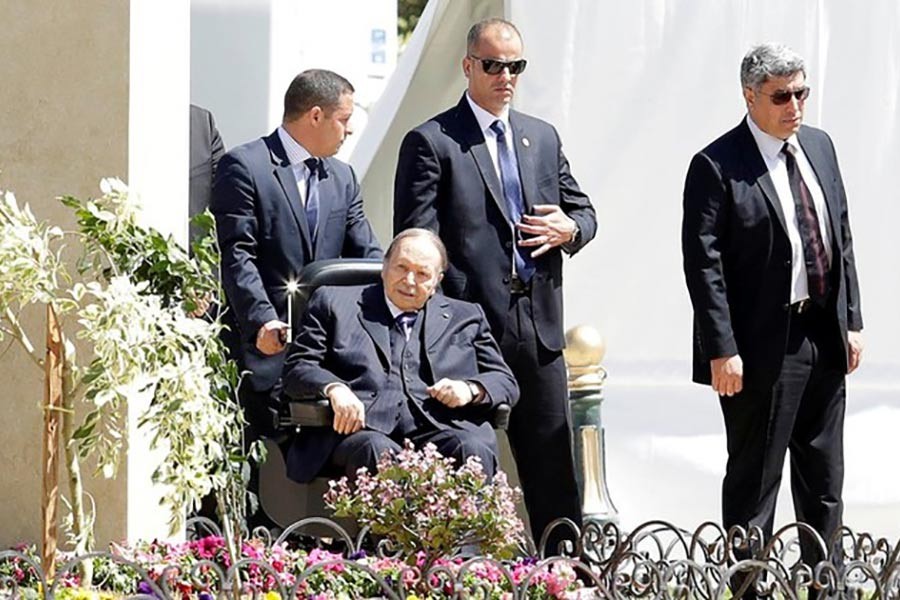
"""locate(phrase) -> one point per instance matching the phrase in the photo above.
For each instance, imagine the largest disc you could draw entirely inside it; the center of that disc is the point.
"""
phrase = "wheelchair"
(281, 500)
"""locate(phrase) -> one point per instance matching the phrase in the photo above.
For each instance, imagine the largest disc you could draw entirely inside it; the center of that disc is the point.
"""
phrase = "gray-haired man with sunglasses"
(768, 259)
(495, 185)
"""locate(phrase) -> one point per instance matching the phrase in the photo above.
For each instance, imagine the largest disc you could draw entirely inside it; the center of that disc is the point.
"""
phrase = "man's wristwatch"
(575, 233)
(475, 390)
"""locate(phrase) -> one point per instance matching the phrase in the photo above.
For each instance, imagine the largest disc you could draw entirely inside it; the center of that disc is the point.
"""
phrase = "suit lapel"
(285, 175)
(437, 318)
(759, 169)
(474, 139)
(525, 158)
(821, 166)
(376, 320)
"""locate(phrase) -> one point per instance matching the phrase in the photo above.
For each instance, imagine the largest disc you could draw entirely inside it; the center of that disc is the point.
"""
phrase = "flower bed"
(201, 569)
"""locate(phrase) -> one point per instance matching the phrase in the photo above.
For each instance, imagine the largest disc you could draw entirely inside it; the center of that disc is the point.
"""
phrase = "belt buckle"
(802, 306)
(516, 285)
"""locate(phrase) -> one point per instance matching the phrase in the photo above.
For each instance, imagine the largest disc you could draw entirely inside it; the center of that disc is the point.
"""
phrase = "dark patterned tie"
(811, 236)
(512, 192)
(313, 164)
(405, 322)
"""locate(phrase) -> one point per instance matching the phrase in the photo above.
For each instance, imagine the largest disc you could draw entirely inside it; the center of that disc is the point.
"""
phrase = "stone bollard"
(584, 351)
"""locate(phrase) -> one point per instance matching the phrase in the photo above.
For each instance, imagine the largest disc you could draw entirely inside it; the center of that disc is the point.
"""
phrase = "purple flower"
(144, 589)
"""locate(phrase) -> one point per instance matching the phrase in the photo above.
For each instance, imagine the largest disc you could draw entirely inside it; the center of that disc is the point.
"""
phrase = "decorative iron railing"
(656, 560)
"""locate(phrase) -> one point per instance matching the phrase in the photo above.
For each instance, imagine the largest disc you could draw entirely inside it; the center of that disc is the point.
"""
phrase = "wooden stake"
(53, 385)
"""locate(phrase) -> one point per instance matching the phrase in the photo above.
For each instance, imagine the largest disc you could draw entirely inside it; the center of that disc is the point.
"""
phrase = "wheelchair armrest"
(317, 413)
(314, 412)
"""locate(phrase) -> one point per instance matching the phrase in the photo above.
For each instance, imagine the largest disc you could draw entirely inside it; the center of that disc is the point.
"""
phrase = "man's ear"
(467, 66)
(749, 96)
(316, 115)
(434, 289)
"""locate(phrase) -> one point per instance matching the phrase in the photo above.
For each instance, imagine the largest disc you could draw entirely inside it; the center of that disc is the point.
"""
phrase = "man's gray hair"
(417, 232)
(765, 61)
(474, 35)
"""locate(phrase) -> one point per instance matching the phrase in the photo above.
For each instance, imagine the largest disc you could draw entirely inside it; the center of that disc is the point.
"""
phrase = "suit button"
(408, 355)
(506, 279)
(374, 394)
(787, 263)
(787, 306)
(507, 245)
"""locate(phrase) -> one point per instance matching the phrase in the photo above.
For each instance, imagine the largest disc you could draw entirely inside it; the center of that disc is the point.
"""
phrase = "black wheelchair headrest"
(335, 271)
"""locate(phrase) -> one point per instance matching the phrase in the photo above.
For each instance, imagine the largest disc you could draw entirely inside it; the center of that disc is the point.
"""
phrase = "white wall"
(158, 166)
(244, 54)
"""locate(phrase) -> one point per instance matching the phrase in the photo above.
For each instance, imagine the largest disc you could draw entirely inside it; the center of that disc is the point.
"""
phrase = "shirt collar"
(395, 312)
(486, 119)
(769, 145)
(296, 153)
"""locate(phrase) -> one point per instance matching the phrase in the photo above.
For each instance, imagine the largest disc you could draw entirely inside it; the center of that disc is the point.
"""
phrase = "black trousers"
(804, 412)
(540, 432)
(365, 447)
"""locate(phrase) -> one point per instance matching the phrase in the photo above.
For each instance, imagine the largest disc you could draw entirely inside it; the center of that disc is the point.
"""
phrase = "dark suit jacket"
(206, 150)
(265, 242)
(346, 337)
(446, 182)
(737, 256)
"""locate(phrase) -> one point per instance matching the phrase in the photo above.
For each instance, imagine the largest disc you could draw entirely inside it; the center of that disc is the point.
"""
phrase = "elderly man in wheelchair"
(396, 360)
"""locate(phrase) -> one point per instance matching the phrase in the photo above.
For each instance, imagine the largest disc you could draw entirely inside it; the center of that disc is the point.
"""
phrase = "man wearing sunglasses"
(768, 259)
(496, 186)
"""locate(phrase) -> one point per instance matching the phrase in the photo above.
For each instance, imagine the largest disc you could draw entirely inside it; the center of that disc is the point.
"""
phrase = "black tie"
(313, 164)
(512, 192)
(810, 235)
(405, 322)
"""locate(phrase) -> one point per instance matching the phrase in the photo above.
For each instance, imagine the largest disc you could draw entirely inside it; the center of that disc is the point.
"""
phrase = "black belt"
(802, 306)
(517, 285)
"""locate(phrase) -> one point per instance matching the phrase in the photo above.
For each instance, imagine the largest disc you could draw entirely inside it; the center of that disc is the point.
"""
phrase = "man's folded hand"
(349, 412)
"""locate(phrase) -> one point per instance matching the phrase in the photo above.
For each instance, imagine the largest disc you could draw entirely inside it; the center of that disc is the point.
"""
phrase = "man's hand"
(727, 375)
(451, 392)
(349, 412)
(202, 305)
(271, 337)
(855, 345)
(550, 228)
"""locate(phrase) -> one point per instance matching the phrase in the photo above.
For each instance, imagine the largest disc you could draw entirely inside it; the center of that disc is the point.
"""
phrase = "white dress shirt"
(770, 148)
(485, 120)
(296, 154)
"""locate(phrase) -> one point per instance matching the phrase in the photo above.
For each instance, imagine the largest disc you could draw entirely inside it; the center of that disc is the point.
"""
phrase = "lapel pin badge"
(525, 142)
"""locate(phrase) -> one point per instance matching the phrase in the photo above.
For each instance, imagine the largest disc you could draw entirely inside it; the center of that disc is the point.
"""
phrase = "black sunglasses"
(783, 97)
(495, 67)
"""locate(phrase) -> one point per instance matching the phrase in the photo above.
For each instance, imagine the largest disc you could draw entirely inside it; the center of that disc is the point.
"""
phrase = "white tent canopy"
(635, 89)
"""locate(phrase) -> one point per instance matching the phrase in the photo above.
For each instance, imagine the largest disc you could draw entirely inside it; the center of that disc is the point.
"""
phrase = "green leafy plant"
(130, 306)
(422, 502)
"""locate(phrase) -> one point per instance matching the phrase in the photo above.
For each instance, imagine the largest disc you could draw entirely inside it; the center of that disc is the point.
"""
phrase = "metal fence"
(655, 560)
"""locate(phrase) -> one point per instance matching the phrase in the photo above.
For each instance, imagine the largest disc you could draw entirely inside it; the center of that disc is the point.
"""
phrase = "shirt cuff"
(572, 245)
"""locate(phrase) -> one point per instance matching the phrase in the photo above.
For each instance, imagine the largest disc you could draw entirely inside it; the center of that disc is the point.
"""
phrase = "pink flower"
(207, 548)
(317, 555)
